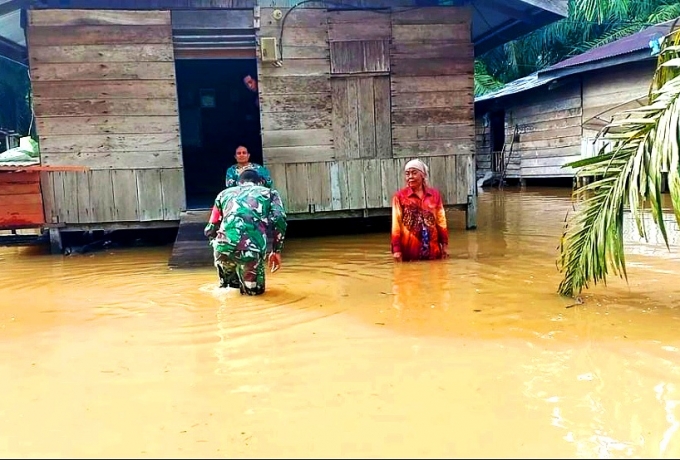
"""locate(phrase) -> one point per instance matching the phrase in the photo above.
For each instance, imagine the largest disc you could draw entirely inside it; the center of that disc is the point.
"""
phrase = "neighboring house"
(557, 112)
(359, 89)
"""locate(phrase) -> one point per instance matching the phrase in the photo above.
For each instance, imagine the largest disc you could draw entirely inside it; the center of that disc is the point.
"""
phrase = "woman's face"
(414, 178)
(242, 155)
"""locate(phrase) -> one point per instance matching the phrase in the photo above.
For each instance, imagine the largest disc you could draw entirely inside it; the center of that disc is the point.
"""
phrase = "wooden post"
(523, 183)
(55, 241)
(471, 213)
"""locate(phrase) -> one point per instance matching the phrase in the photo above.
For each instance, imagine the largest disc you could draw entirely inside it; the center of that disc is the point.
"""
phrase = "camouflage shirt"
(248, 218)
(235, 171)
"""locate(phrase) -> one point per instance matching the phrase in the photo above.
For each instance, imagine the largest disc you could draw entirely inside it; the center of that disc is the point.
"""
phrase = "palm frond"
(643, 143)
(664, 13)
(484, 83)
(598, 10)
(612, 35)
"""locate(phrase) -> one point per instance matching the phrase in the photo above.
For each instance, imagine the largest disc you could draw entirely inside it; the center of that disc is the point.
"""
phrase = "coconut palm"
(643, 142)
(590, 23)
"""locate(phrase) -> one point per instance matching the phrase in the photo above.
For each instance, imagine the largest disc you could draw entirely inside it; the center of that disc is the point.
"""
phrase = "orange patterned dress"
(418, 225)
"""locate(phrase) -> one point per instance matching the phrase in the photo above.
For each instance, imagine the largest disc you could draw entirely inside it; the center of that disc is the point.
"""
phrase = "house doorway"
(217, 113)
(497, 135)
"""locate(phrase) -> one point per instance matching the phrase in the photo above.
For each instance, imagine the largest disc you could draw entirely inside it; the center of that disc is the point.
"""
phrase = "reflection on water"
(348, 354)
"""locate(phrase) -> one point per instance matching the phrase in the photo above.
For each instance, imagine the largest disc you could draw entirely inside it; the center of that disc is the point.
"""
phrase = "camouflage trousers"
(240, 270)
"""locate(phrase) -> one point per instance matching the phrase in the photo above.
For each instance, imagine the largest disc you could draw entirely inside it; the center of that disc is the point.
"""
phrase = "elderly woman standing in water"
(419, 230)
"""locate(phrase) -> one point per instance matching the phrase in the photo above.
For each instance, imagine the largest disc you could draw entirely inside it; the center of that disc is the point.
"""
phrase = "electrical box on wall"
(269, 49)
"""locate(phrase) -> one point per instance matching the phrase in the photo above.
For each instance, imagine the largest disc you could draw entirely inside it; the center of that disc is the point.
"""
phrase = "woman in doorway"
(419, 230)
(242, 163)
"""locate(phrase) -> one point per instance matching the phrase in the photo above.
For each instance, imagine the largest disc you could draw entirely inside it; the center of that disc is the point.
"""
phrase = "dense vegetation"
(590, 23)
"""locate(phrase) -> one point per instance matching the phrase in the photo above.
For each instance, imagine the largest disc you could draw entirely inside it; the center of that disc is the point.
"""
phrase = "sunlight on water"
(347, 354)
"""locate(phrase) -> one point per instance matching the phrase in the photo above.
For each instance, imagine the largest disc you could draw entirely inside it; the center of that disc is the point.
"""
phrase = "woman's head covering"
(419, 165)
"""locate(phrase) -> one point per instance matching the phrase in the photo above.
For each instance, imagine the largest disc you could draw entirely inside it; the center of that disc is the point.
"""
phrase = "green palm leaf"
(643, 142)
(484, 83)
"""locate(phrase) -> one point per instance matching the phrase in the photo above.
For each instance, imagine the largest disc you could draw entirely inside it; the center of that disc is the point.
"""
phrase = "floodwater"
(347, 354)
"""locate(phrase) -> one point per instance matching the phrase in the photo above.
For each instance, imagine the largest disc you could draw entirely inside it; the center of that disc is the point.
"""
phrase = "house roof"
(533, 80)
(632, 48)
(635, 42)
(494, 22)
(12, 39)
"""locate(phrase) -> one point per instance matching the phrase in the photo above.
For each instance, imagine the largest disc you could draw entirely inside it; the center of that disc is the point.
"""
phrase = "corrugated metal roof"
(627, 45)
(635, 42)
(517, 86)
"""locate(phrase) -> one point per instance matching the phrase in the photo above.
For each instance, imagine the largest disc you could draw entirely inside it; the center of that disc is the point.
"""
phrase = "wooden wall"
(482, 145)
(612, 89)
(359, 94)
(558, 125)
(432, 95)
(105, 98)
(20, 200)
(295, 109)
(550, 131)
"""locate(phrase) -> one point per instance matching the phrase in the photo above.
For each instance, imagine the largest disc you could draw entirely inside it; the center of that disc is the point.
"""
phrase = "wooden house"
(535, 125)
(149, 95)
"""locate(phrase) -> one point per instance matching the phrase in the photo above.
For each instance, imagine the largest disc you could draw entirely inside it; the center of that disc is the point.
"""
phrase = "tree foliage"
(643, 143)
(590, 23)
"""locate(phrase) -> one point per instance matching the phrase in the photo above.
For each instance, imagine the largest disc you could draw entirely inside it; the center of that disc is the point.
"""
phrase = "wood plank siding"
(431, 58)
(295, 109)
(549, 125)
(482, 146)
(358, 94)
(558, 125)
(613, 89)
(105, 98)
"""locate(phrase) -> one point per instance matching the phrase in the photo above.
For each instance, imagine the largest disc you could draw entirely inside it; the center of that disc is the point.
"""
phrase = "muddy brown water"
(347, 354)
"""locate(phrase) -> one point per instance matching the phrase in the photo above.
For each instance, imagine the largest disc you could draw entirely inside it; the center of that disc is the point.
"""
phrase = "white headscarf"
(419, 165)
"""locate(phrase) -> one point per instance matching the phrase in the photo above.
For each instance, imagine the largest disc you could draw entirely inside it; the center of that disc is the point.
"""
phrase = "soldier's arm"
(277, 221)
(215, 220)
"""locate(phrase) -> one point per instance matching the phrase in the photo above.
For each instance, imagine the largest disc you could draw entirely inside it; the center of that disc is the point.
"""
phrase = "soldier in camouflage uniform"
(247, 222)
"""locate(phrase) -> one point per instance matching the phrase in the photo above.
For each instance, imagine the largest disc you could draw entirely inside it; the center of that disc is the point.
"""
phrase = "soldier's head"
(249, 176)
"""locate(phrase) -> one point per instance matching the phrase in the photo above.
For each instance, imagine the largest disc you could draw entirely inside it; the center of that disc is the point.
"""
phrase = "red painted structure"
(21, 204)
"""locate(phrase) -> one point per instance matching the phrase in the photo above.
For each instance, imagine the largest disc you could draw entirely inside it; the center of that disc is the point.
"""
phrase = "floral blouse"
(418, 225)
(235, 171)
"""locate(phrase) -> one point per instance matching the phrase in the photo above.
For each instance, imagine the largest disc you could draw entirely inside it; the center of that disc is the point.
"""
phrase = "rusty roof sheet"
(635, 42)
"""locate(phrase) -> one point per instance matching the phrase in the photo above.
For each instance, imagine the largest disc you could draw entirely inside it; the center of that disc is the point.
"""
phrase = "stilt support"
(471, 212)
(56, 246)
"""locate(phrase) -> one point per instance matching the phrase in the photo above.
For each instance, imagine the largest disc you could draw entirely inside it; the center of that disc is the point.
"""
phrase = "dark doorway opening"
(497, 128)
(217, 113)
(497, 134)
